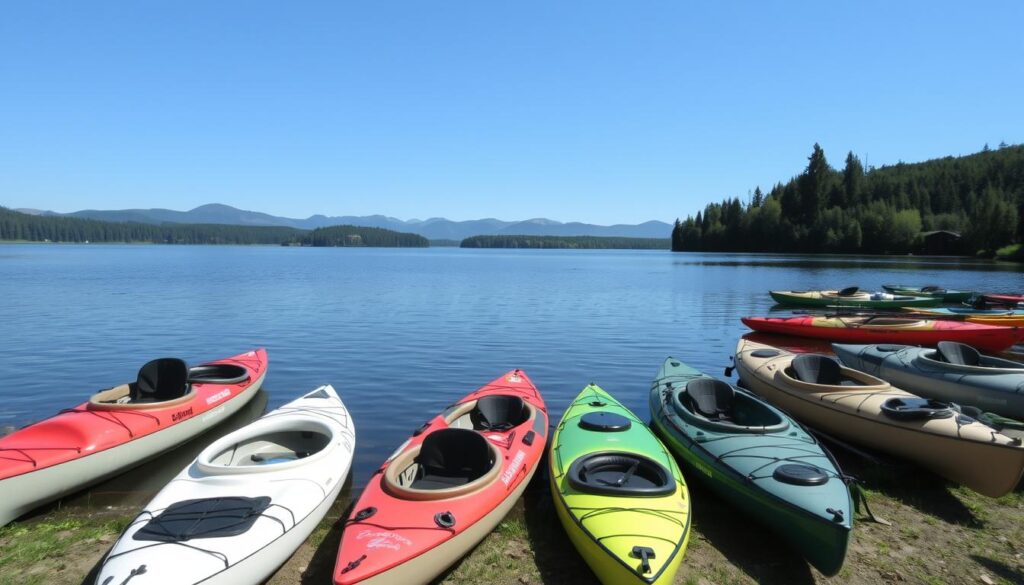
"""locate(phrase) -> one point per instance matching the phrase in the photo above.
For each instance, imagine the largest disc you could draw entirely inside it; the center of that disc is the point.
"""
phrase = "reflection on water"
(833, 261)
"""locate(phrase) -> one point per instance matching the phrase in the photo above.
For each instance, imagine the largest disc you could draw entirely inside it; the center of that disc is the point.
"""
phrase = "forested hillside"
(566, 242)
(350, 235)
(884, 210)
(58, 228)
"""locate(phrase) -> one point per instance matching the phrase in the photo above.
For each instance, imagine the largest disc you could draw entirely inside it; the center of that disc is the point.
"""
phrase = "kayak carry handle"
(644, 553)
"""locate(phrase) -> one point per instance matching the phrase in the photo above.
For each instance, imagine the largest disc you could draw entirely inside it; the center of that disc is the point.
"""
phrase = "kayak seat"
(817, 369)
(711, 398)
(499, 413)
(849, 291)
(160, 380)
(620, 474)
(958, 353)
(932, 289)
(450, 458)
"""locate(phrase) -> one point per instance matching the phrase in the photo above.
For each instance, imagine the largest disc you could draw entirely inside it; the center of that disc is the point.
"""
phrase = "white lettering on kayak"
(509, 474)
(218, 396)
(388, 540)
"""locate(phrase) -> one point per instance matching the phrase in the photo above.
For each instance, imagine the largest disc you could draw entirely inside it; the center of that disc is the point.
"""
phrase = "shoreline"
(939, 533)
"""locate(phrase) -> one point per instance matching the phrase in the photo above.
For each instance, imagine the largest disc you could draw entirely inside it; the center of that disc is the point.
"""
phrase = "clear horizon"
(597, 112)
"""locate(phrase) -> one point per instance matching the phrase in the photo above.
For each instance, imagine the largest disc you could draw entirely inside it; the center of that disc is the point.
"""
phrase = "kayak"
(1005, 299)
(119, 428)
(757, 458)
(854, 298)
(446, 487)
(947, 296)
(886, 329)
(618, 492)
(860, 408)
(242, 508)
(971, 312)
(951, 373)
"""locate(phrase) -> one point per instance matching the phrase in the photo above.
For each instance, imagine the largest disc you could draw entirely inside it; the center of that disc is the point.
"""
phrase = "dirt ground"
(939, 533)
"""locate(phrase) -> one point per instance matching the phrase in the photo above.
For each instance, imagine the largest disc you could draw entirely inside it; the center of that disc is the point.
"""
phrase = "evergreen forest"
(883, 210)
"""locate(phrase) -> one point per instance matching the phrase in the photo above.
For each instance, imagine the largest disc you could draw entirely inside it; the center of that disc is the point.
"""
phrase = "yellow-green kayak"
(618, 492)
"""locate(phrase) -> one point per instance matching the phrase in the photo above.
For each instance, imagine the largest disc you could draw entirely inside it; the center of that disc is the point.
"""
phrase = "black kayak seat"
(498, 413)
(817, 369)
(159, 380)
(958, 353)
(932, 288)
(616, 473)
(849, 291)
(711, 398)
(450, 458)
(204, 518)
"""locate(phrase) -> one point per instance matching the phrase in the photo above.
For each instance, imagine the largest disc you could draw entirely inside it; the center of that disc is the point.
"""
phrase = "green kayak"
(618, 492)
(757, 458)
(850, 297)
(947, 296)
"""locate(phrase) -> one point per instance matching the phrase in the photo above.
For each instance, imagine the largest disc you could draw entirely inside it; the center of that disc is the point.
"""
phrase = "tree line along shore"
(977, 200)
(17, 226)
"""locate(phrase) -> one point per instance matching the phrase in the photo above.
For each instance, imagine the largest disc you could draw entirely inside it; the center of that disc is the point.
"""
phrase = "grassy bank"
(939, 533)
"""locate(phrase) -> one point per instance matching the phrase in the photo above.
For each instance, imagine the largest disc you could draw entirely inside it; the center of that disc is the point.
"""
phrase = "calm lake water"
(400, 333)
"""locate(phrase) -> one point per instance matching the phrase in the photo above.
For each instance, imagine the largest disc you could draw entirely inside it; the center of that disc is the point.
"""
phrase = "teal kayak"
(947, 296)
(952, 373)
(757, 458)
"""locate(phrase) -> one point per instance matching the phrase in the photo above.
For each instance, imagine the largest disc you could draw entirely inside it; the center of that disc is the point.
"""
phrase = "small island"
(567, 242)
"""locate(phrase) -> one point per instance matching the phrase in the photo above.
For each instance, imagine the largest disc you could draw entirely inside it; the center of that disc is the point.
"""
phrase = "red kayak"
(446, 487)
(902, 330)
(1003, 299)
(121, 427)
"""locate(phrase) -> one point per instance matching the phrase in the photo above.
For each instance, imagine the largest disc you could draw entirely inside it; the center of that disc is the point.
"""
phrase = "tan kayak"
(863, 409)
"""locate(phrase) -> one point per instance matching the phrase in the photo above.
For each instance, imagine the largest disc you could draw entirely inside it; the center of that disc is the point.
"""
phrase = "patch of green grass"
(514, 528)
(24, 545)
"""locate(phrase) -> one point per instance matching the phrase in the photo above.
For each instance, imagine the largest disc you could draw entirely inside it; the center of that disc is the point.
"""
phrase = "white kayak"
(247, 502)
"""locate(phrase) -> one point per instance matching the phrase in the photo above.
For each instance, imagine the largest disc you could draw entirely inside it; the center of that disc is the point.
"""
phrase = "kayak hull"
(964, 451)
(861, 300)
(395, 533)
(299, 489)
(606, 526)
(725, 461)
(999, 389)
(105, 447)
(899, 330)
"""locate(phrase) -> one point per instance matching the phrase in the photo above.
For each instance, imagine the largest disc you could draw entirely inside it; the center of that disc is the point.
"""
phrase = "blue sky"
(603, 112)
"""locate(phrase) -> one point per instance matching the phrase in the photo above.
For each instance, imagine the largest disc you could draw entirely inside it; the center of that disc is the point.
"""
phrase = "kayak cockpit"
(161, 382)
(496, 412)
(267, 446)
(819, 372)
(619, 473)
(448, 463)
(950, 355)
(713, 404)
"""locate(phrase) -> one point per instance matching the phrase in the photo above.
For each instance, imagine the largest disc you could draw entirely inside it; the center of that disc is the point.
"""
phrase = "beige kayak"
(863, 409)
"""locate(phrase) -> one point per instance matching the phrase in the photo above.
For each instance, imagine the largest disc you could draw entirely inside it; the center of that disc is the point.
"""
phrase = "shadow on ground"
(1002, 570)
(906, 483)
(749, 546)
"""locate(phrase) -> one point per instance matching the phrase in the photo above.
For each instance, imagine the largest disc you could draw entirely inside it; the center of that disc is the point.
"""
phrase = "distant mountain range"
(437, 228)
